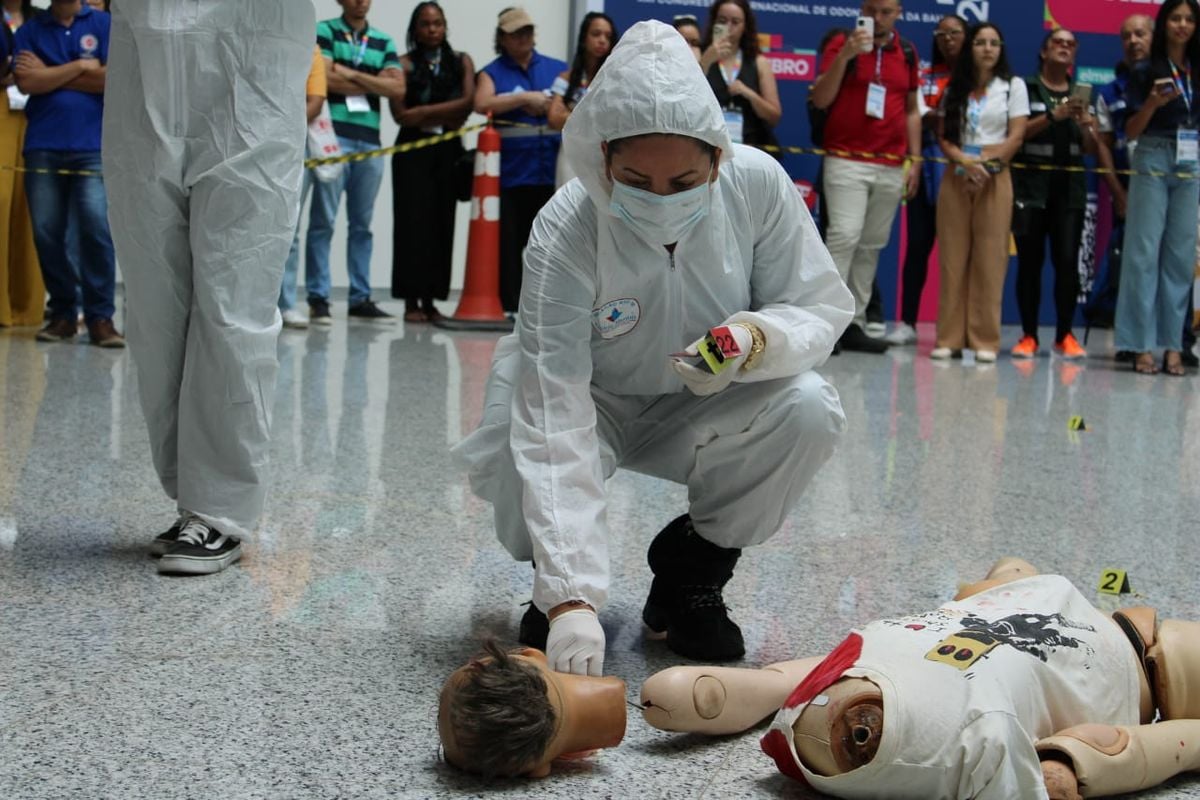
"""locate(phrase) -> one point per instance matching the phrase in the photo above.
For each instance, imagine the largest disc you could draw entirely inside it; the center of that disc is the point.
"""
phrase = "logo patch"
(88, 43)
(616, 318)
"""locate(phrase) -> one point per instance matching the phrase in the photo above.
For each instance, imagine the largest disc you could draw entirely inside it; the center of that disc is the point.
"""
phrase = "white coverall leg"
(746, 454)
(204, 132)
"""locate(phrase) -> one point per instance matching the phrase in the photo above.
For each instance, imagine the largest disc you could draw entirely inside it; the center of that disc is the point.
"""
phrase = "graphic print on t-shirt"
(1032, 634)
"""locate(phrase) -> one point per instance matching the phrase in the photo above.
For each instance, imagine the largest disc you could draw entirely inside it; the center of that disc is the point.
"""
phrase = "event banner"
(791, 31)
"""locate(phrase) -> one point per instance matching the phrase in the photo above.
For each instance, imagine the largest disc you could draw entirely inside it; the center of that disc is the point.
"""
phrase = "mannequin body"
(836, 732)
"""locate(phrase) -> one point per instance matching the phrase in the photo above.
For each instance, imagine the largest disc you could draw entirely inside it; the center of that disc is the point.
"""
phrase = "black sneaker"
(367, 311)
(200, 550)
(535, 628)
(686, 606)
(164, 540)
(318, 313)
(855, 338)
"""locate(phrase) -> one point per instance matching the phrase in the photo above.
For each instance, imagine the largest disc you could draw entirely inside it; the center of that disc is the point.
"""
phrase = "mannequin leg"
(720, 700)
(1107, 759)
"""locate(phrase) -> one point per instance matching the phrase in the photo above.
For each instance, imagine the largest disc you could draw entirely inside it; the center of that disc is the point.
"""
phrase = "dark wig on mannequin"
(965, 79)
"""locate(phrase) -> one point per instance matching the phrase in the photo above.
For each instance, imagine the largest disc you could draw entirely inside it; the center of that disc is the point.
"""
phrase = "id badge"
(16, 100)
(973, 151)
(1187, 146)
(734, 122)
(876, 97)
(357, 104)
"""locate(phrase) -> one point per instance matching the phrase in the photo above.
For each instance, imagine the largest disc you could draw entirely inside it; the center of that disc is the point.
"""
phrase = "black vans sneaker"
(318, 313)
(200, 550)
(686, 606)
(535, 628)
(367, 311)
(164, 540)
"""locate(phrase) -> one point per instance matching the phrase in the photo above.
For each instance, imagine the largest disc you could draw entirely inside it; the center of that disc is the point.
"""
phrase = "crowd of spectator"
(889, 120)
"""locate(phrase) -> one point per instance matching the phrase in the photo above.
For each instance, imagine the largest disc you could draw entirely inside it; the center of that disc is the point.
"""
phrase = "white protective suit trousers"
(746, 454)
(203, 146)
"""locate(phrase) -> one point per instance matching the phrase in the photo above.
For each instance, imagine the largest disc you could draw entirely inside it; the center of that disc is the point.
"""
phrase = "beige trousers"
(972, 231)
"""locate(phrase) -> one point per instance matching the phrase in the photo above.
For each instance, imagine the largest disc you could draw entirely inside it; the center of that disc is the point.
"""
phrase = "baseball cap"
(513, 19)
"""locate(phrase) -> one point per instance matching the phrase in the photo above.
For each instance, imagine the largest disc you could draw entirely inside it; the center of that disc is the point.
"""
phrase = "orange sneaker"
(1070, 348)
(1026, 348)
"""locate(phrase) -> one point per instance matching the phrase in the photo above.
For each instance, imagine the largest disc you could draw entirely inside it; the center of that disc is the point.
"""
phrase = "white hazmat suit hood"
(651, 61)
(585, 384)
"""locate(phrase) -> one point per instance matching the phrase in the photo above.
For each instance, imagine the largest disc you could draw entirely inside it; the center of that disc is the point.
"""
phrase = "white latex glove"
(576, 643)
(699, 379)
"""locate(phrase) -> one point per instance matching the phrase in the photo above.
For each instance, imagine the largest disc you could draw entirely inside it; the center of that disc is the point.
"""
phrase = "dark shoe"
(1124, 356)
(318, 313)
(200, 550)
(367, 311)
(103, 333)
(162, 543)
(1189, 358)
(686, 606)
(415, 315)
(535, 627)
(59, 330)
(855, 338)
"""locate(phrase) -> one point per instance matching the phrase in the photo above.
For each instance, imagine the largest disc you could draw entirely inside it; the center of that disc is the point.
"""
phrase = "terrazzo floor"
(312, 669)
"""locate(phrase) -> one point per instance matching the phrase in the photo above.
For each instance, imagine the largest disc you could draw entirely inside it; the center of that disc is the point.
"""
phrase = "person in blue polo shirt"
(515, 87)
(60, 63)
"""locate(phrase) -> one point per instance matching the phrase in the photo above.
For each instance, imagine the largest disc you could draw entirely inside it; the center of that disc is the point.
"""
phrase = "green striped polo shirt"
(372, 53)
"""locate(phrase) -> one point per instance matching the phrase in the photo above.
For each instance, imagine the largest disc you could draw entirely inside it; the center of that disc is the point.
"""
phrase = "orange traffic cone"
(479, 308)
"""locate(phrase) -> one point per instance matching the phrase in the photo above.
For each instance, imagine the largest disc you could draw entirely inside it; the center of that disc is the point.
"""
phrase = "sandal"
(1173, 366)
(1143, 364)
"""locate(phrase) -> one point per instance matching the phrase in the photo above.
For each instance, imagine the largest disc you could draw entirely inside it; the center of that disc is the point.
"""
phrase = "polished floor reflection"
(312, 669)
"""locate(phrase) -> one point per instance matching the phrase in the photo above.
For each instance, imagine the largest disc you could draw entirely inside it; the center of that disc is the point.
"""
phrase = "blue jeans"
(52, 200)
(287, 292)
(1160, 250)
(360, 180)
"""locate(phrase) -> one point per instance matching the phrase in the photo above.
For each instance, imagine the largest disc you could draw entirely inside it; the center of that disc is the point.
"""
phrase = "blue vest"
(65, 120)
(525, 160)
(1114, 97)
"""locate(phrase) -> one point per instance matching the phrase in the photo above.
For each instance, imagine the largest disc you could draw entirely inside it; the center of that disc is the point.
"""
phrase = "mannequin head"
(507, 714)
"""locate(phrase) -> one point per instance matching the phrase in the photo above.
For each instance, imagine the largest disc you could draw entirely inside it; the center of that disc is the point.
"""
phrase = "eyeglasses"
(1070, 44)
(997, 43)
(949, 34)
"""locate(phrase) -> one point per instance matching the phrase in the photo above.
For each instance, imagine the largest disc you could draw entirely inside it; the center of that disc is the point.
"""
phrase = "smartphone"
(1165, 86)
(1081, 93)
(866, 24)
(720, 31)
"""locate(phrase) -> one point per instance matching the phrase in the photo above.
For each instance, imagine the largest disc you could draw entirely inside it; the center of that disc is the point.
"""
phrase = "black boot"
(535, 627)
(685, 605)
(855, 338)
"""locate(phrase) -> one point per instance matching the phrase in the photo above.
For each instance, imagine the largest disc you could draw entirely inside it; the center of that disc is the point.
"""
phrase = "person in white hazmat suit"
(668, 231)
(203, 150)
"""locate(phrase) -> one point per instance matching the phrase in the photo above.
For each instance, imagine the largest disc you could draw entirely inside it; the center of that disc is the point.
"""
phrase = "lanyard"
(731, 75)
(362, 46)
(8, 20)
(975, 113)
(1184, 87)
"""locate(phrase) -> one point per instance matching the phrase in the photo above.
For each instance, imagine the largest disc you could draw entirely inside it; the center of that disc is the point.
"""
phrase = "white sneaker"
(985, 356)
(876, 330)
(902, 335)
(940, 353)
(294, 319)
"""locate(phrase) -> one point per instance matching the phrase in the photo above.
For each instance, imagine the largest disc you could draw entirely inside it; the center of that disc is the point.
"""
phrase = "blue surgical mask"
(660, 218)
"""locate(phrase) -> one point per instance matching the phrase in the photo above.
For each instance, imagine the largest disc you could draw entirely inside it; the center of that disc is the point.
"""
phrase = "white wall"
(472, 25)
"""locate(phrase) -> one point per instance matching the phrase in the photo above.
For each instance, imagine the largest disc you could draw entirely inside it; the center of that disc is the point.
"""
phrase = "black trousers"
(518, 207)
(1031, 228)
(922, 232)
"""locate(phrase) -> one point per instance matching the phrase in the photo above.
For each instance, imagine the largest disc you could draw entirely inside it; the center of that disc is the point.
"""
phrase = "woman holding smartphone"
(739, 74)
(1051, 204)
(1160, 229)
(984, 114)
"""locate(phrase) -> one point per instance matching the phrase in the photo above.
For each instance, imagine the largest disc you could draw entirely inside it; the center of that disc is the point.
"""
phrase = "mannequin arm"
(1105, 760)
(720, 700)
